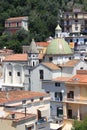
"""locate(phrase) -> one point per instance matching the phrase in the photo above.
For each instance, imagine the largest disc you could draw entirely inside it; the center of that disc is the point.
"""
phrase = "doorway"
(70, 113)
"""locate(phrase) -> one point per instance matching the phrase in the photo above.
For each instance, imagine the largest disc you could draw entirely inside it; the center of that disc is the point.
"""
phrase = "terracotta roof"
(19, 116)
(17, 18)
(16, 57)
(50, 65)
(71, 63)
(79, 78)
(61, 79)
(43, 44)
(12, 96)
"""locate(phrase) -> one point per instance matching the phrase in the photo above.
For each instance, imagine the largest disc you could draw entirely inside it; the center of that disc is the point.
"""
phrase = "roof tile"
(18, 95)
(16, 57)
(50, 65)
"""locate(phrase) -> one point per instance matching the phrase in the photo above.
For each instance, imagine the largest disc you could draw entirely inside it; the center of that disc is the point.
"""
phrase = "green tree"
(80, 125)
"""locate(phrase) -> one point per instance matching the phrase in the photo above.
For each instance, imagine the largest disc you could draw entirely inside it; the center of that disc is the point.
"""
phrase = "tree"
(80, 125)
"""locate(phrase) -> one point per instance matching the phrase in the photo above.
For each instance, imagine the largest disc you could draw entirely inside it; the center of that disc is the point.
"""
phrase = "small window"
(33, 63)
(10, 73)
(9, 24)
(76, 15)
(81, 68)
(29, 80)
(41, 98)
(70, 58)
(18, 73)
(32, 100)
(50, 58)
(76, 20)
(47, 92)
(23, 101)
(76, 28)
(57, 84)
(17, 24)
(41, 74)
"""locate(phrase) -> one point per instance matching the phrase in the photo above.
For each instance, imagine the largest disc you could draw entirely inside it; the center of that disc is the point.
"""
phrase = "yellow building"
(75, 100)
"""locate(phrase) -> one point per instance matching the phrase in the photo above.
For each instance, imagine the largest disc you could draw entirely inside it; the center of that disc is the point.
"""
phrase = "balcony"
(75, 101)
(57, 99)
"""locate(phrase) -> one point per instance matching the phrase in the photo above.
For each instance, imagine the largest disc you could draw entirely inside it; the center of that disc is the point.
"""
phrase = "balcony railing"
(73, 100)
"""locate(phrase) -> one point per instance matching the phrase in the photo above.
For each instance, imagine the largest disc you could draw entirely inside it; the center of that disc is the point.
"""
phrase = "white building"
(14, 71)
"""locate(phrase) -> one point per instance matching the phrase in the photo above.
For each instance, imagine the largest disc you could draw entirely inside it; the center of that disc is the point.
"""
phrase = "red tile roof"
(71, 63)
(19, 116)
(50, 65)
(43, 44)
(16, 57)
(12, 96)
(61, 79)
(79, 78)
(16, 18)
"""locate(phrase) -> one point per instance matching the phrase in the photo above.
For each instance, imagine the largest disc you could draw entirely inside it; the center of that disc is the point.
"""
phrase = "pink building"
(14, 24)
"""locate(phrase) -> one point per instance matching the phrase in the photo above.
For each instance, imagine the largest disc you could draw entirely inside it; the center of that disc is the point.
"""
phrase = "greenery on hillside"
(43, 18)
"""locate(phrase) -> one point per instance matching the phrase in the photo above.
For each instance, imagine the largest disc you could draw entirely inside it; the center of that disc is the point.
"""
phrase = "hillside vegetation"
(43, 18)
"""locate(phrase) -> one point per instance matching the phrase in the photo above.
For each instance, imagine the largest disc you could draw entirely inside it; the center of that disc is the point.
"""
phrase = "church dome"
(58, 46)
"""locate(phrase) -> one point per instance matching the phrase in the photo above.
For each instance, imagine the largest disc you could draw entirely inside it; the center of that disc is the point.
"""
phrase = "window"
(58, 96)
(76, 28)
(70, 58)
(9, 24)
(81, 68)
(41, 74)
(23, 101)
(67, 22)
(30, 128)
(57, 84)
(67, 16)
(76, 15)
(70, 94)
(33, 63)
(29, 80)
(32, 100)
(17, 24)
(10, 73)
(47, 92)
(76, 20)
(50, 58)
(18, 73)
(41, 98)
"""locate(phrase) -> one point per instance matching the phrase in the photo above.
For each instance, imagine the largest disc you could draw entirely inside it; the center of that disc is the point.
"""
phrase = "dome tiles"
(58, 46)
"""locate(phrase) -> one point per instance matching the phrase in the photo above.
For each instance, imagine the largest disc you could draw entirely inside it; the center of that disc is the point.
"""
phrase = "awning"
(29, 125)
(55, 126)
(44, 111)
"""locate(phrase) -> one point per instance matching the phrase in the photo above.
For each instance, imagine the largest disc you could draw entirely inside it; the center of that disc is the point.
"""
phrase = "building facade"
(12, 25)
(74, 102)
(75, 21)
